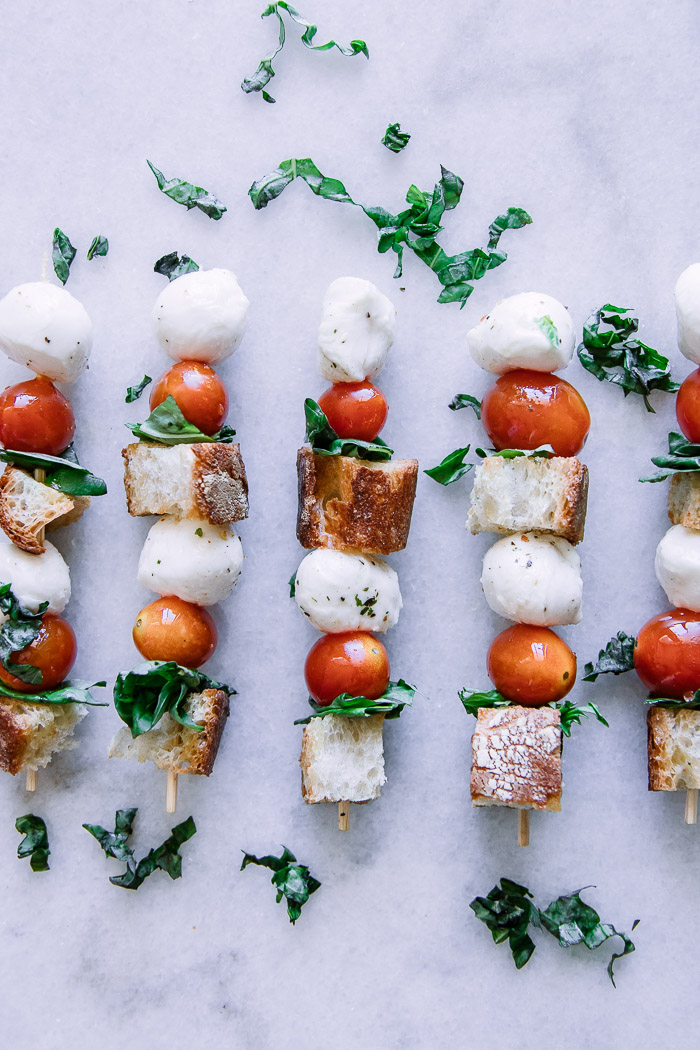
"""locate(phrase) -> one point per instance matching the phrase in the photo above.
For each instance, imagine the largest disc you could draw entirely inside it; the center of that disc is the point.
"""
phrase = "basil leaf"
(143, 695)
(68, 692)
(188, 195)
(264, 73)
(547, 325)
(17, 632)
(692, 704)
(133, 393)
(616, 658)
(542, 451)
(292, 881)
(167, 856)
(473, 700)
(683, 455)
(115, 843)
(168, 426)
(390, 704)
(451, 469)
(395, 139)
(99, 246)
(571, 713)
(62, 472)
(611, 352)
(35, 843)
(62, 254)
(292, 584)
(466, 401)
(572, 922)
(171, 266)
(325, 442)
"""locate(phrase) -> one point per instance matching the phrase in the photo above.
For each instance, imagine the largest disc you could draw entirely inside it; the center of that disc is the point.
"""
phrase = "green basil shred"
(390, 704)
(292, 881)
(325, 442)
(157, 687)
(35, 843)
(172, 266)
(99, 246)
(166, 425)
(683, 456)
(189, 195)
(62, 255)
(395, 139)
(166, 857)
(570, 713)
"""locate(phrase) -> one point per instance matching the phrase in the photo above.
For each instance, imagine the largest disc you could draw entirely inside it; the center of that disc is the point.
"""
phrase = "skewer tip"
(343, 816)
(32, 779)
(171, 793)
(523, 827)
(691, 806)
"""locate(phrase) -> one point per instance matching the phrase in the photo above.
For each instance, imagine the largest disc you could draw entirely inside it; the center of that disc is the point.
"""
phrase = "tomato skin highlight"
(198, 391)
(53, 651)
(355, 662)
(531, 665)
(667, 654)
(172, 629)
(36, 417)
(688, 406)
(355, 410)
(525, 409)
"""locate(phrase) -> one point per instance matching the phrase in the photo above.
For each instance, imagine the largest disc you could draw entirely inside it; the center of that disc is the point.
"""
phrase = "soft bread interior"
(174, 747)
(27, 506)
(35, 732)
(342, 759)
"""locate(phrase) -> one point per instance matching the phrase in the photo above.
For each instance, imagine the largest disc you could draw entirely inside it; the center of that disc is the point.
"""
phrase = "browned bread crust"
(14, 738)
(673, 739)
(31, 733)
(205, 746)
(516, 758)
(353, 504)
(684, 499)
(27, 506)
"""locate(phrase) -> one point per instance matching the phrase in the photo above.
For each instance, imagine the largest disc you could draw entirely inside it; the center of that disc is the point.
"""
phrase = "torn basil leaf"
(171, 266)
(168, 426)
(547, 325)
(18, 631)
(683, 455)
(616, 658)
(611, 352)
(395, 139)
(167, 856)
(62, 255)
(571, 713)
(473, 700)
(325, 442)
(541, 452)
(264, 73)
(691, 704)
(573, 922)
(99, 246)
(292, 585)
(62, 472)
(68, 692)
(35, 843)
(133, 393)
(156, 687)
(466, 401)
(188, 195)
(390, 704)
(292, 881)
(451, 469)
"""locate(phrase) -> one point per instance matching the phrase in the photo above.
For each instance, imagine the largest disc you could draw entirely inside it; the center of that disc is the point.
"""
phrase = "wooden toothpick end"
(32, 779)
(343, 816)
(171, 793)
(523, 827)
(691, 806)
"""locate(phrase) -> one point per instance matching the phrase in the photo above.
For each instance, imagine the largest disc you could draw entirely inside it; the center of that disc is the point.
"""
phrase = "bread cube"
(30, 734)
(27, 506)
(342, 759)
(516, 758)
(673, 737)
(684, 499)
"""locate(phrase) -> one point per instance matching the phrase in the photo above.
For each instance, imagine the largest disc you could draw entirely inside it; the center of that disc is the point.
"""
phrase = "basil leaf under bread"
(292, 881)
(452, 467)
(68, 692)
(616, 658)
(157, 687)
(570, 712)
(683, 455)
(35, 843)
(466, 401)
(691, 704)
(62, 255)
(171, 266)
(99, 246)
(395, 139)
(167, 856)
(390, 704)
(63, 472)
(189, 195)
(325, 442)
(541, 452)
(133, 393)
(166, 425)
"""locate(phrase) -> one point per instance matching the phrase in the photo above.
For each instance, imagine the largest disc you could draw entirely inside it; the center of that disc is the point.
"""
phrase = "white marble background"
(585, 113)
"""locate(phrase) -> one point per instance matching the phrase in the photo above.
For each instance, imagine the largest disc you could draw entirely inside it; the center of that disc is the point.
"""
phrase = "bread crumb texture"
(516, 758)
(342, 759)
(674, 748)
(30, 734)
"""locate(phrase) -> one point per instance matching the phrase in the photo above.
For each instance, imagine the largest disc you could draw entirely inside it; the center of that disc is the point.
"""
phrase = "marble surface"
(584, 113)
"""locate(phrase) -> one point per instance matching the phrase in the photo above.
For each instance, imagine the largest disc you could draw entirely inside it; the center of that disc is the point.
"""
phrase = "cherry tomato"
(667, 654)
(200, 394)
(53, 651)
(531, 665)
(688, 406)
(172, 629)
(36, 417)
(354, 662)
(524, 409)
(355, 410)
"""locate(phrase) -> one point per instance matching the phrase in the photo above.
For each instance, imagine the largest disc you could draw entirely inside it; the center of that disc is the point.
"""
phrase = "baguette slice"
(684, 499)
(526, 494)
(516, 758)
(28, 506)
(342, 759)
(30, 734)
(351, 504)
(673, 748)
(177, 748)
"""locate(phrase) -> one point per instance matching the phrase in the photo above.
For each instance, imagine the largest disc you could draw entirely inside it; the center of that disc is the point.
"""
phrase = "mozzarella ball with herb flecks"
(687, 295)
(356, 331)
(44, 328)
(190, 559)
(677, 565)
(529, 330)
(533, 577)
(347, 592)
(201, 316)
(35, 578)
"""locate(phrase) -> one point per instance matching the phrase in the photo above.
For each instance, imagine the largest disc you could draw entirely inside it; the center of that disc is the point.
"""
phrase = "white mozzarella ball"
(191, 559)
(36, 578)
(688, 312)
(356, 331)
(677, 567)
(201, 316)
(347, 592)
(529, 330)
(44, 328)
(533, 577)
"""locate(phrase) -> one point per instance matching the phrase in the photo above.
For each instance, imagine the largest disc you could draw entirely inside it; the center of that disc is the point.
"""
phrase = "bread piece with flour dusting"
(516, 758)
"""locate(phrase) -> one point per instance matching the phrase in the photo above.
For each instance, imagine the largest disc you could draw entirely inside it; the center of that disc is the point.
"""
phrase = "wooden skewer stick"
(691, 806)
(343, 816)
(31, 779)
(32, 775)
(523, 827)
(171, 793)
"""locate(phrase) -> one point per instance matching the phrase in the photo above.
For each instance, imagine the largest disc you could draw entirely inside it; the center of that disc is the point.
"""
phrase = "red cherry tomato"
(531, 665)
(667, 654)
(524, 409)
(36, 417)
(354, 662)
(688, 406)
(355, 410)
(53, 651)
(200, 394)
(172, 629)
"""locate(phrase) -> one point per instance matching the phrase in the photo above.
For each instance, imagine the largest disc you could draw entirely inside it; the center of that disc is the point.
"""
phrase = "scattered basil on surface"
(264, 73)
(292, 585)
(35, 843)
(189, 195)
(156, 687)
(133, 393)
(19, 629)
(62, 255)
(166, 425)
(99, 246)
(172, 266)
(452, 467)
(616, 658)
(62, 472)
(570, 713)
(395, 139)
(466, 401)
(611, 352)
(292, 881)
(325, 442)
(167, 856)
(683, 455)
(390, 704)
(68, 692)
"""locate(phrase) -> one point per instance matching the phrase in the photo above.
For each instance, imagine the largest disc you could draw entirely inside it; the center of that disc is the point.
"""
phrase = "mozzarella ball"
(36, 578)
(688, 312)
(530, 330)
(677, 565)
(191, 559)
(44, 328)
(201, 316)
(533, 577)
(356, 331)
(347, 592)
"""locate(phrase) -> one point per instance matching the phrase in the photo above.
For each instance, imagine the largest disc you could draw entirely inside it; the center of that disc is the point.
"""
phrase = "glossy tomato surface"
(354, 662)
(172, 629)
(198, 391)
(667, 654)
(531, 665)
(355, 410)
(688, 407)
(36, 417)
(53, 651)
(525, 409)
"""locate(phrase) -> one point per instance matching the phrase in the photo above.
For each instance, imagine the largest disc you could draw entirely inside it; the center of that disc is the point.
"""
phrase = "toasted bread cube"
(30, 734)
(351, 504)
(526, 494)
(27, 506)
(188, 481)
(674, 748)
(516, 758)
(342, 759)
(684, 499)
(177, 748)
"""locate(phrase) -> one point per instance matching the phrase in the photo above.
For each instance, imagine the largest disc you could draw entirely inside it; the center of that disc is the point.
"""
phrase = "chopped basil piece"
(156, 687)
(99, 246)
(542, 451)
(168, 426)
(171, 266)
(35, 843)
(62, 472)
(473, 700)
(466, 401)
(390, 704)
(547, 325)
(67, 692)
(693, 704)
(569, 711)
(62, 254)
(395, 139)
(19, 629)
(199, 532)
(292, 584)
(167, 856)
(683, 455)
(451, 469)
(292, 881)
(188, 195)
(616, 658)
(133, 393)
(325, 442)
